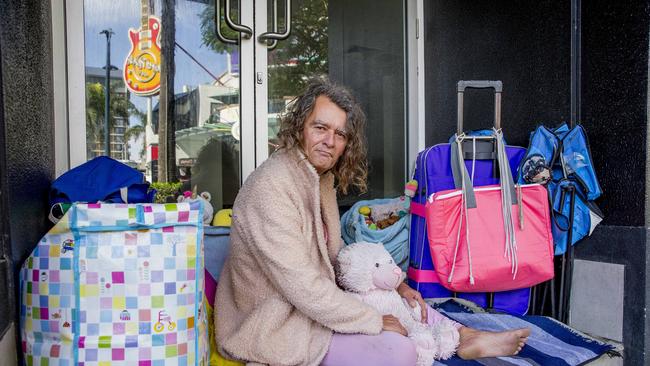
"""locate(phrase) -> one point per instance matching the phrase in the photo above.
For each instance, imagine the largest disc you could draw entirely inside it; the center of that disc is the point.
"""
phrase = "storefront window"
(206, 93)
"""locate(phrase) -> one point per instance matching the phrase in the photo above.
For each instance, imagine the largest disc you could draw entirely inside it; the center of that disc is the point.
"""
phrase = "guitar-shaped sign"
(142, 65)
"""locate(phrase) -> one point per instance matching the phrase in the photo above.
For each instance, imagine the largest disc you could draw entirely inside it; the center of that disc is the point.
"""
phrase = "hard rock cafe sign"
(142, 65)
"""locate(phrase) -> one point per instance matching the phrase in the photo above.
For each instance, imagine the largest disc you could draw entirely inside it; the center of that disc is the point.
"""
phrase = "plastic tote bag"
(394, 238)
(491, 238)
(117, 284)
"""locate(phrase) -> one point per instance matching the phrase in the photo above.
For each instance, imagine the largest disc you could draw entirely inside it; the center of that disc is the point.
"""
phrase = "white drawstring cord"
(473, 159)
(509, 253)
(504, 206)
(506, 203)
(469, 249)
(461, 161)
(453, 263)
(460, 218)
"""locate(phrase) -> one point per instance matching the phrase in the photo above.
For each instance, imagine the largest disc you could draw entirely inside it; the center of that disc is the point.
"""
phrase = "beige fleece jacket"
(277, 301)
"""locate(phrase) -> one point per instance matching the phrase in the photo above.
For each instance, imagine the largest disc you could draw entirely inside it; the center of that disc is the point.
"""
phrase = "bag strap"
(459, 170)
(505, 174)
(460, 173)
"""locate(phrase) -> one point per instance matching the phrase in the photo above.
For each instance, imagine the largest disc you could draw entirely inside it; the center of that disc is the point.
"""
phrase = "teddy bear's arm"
(416, 312)
(389, 302)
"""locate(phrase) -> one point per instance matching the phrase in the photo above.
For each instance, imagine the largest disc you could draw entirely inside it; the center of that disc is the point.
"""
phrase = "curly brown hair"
(351, 170)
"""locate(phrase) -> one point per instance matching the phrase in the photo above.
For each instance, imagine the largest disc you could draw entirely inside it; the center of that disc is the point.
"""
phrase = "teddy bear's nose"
(397, 271)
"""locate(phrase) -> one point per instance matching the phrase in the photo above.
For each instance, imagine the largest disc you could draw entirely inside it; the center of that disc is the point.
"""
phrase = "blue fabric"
(101, 179)
(216, 247)
(566, 153)
(395, 237)
(550, 342)
(577, 159)
(562, 220)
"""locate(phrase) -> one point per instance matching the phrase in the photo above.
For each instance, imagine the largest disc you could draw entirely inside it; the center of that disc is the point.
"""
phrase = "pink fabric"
(385, 349)
(433, 316)
(481, 253)
(418, 209)
(210, 287)
(422, 275)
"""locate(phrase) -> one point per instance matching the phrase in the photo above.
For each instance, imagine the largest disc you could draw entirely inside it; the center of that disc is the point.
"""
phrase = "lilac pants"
(385, 349)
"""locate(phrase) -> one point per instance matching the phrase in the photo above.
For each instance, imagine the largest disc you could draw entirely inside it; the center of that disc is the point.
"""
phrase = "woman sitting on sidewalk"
(277, 299)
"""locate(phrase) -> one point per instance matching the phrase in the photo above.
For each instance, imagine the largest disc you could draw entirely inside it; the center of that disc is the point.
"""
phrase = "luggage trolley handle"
(497, 85)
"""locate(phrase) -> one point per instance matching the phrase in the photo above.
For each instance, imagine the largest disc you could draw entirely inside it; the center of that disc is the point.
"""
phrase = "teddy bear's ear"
(206, 195)
(343, 267)
(344, 256)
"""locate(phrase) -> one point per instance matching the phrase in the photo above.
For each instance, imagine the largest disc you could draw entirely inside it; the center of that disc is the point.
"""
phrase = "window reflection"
(348, 41)
(206, 93)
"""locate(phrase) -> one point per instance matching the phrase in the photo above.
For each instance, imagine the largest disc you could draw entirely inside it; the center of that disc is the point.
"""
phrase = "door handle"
(271, 46)
(217, 24)
(245, 31)
(266, 36)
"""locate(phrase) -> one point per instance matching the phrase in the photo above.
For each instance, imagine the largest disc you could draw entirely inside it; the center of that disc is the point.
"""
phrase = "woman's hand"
(413, 297)
(392, 324)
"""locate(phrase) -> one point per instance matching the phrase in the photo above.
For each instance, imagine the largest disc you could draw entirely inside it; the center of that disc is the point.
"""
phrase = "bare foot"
(478, 344)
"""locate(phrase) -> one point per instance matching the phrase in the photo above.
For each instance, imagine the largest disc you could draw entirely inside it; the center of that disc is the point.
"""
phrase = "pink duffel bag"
(476, 247)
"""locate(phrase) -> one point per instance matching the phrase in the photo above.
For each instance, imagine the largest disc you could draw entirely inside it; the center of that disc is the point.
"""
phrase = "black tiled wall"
(527, 45)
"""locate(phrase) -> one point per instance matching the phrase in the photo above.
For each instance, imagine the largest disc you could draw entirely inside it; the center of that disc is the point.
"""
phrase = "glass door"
(351, 43)
(237, 64)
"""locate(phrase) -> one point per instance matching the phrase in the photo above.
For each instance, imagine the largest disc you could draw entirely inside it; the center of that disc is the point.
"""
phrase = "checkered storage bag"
(117, 284)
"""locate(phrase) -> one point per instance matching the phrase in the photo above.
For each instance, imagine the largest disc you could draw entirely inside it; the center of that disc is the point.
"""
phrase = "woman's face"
(324, 136)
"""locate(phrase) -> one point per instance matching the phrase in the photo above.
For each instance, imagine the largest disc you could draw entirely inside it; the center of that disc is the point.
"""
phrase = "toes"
(523, 332)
